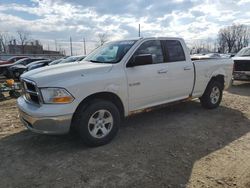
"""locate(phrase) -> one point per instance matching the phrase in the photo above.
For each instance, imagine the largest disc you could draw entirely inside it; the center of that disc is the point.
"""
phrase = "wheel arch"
(219, 78)
(216, 77)
(109, 96)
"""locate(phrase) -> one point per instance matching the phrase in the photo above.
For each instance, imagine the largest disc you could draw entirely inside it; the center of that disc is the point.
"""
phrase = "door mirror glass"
(142, 59)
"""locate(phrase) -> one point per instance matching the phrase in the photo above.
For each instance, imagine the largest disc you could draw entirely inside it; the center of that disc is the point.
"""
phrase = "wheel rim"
(215, 95)
(100, 123)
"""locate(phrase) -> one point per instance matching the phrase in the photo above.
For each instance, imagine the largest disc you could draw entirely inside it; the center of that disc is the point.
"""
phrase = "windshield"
(243, 52)
(112, 52)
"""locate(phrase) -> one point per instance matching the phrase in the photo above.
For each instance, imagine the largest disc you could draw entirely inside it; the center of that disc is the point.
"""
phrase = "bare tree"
(202, 46)
(102, 38)
(233, 38)
(242, 38)
(5, 38)
(23, 37)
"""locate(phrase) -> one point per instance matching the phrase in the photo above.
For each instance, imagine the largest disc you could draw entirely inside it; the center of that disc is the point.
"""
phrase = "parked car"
(55, 62)
(20, 69)
(38, 64)
(12, 60)
(116, 80)
(242, 65)
(12, 71)
(72, 59)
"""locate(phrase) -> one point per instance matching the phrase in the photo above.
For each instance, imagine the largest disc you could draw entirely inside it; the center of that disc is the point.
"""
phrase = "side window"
(174, 51)
(152, 47)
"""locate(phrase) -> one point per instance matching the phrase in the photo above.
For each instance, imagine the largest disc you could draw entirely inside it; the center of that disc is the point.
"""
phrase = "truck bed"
(204, 70)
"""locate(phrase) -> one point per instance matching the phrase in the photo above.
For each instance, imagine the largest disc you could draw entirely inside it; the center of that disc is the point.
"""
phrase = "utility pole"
(55, 45)
(84, 46)
(71, 52)
(139, 30)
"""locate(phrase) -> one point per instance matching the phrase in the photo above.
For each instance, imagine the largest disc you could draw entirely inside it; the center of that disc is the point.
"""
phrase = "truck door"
(147, 83)
(180, 75)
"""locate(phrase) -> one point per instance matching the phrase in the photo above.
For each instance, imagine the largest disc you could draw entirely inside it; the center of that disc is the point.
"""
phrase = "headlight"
(56, 95)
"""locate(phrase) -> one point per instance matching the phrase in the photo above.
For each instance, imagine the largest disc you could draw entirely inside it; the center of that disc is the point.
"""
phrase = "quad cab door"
(161, 81)
(180, 77)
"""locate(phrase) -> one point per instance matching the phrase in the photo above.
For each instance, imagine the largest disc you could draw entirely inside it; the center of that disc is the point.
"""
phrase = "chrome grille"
(30, 91)
(242, 65)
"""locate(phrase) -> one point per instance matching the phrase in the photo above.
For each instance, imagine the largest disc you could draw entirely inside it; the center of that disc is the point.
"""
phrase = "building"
(33, 47)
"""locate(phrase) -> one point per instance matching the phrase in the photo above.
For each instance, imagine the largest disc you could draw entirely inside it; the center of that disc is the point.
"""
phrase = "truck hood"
(51, 75)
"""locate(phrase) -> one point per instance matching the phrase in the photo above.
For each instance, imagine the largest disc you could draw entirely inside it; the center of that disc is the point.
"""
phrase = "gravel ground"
(182, 145)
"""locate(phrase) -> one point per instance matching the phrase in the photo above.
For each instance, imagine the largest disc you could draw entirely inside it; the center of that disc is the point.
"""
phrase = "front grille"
(242, 65)
(30, 91)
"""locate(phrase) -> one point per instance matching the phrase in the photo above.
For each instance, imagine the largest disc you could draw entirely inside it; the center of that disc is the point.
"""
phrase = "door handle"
(187, 68)
(162, 71)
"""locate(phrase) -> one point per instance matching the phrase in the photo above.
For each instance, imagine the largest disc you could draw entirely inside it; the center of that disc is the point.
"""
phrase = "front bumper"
(44, 124)
(241, 75)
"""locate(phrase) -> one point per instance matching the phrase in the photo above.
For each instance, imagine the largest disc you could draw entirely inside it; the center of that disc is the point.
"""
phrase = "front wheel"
(98, 123)
(212, 95)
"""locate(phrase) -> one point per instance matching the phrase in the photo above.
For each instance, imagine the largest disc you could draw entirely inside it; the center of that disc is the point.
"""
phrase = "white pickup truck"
(114, 81)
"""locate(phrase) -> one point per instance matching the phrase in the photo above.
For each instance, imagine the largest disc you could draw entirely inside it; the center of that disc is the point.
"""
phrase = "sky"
(50, 20)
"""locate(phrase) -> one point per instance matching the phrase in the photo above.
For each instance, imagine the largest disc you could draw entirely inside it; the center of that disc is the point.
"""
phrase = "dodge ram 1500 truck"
(114, 81)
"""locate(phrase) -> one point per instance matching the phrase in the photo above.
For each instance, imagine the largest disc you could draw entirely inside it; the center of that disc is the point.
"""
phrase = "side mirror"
(143, 59)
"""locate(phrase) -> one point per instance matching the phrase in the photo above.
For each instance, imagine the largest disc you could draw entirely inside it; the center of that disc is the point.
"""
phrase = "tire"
(97, 123)
(213, 95)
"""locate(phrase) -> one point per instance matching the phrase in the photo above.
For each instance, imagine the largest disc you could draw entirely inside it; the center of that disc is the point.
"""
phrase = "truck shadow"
(154, 149)
(240, 88)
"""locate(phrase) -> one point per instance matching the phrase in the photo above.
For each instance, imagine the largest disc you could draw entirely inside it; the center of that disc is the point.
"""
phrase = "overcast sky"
(48, 20)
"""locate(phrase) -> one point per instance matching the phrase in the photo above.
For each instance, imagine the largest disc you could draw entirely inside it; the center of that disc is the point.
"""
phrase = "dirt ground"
(182, 145)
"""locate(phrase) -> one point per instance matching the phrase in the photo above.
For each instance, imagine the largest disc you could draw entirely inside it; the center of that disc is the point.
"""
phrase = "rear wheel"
(212, 95)
(98, 123)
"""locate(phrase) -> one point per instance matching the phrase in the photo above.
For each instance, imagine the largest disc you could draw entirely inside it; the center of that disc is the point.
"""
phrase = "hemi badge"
(135, 84)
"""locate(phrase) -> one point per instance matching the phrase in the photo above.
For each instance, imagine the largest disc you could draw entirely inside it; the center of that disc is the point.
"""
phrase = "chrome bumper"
(46, 125)
(241, 75)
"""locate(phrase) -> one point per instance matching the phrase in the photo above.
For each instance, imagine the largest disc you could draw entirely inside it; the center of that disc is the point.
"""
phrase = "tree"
(233, 38)
(102, 38)
(4, 41)
(203, 46)
(23, 37)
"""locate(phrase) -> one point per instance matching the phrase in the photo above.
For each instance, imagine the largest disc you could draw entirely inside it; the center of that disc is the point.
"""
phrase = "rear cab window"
(174, 51)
